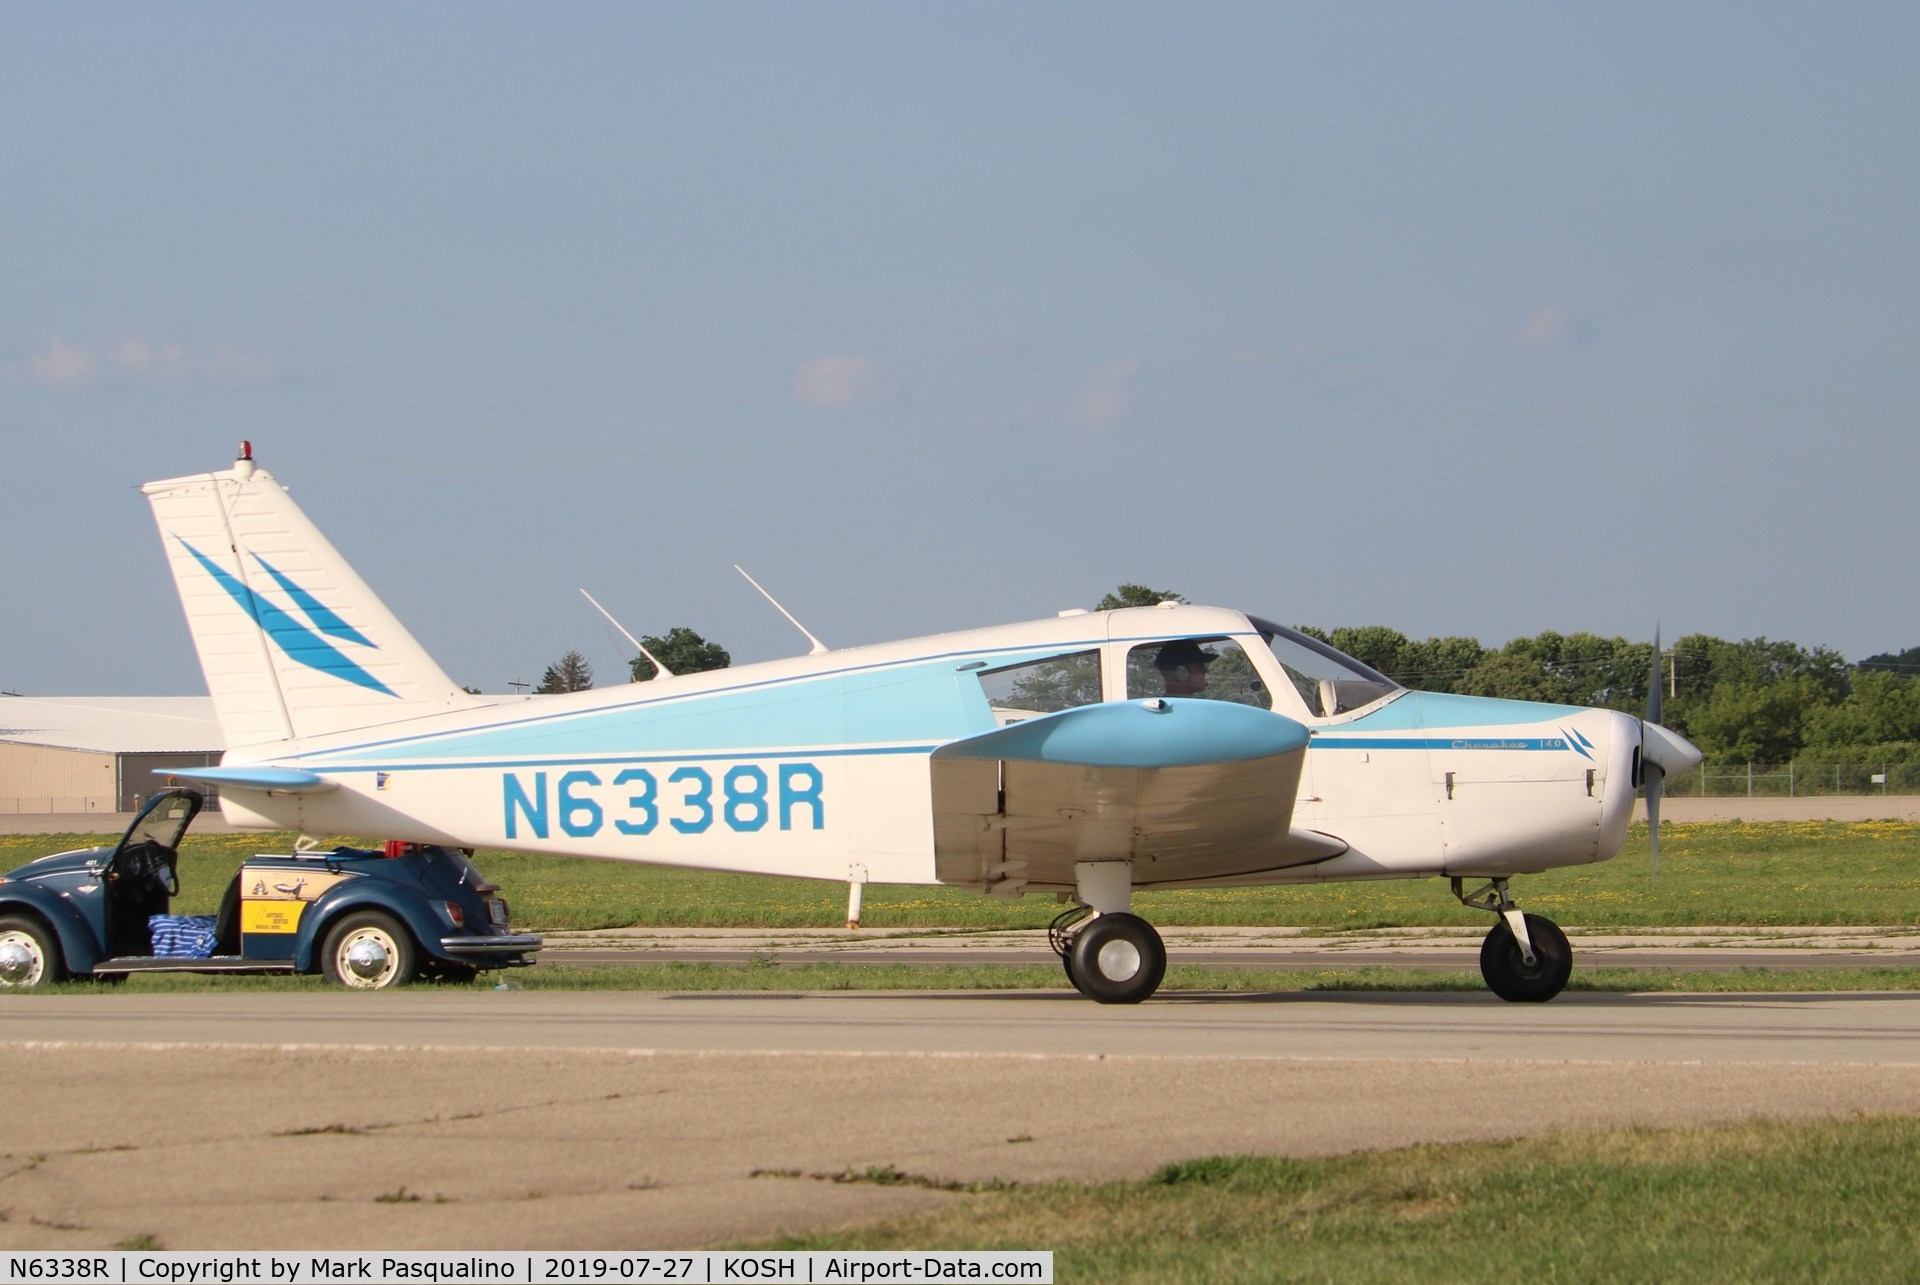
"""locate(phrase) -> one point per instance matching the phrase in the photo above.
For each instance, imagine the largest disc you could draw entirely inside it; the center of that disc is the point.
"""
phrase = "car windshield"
(1329, 681)
(164, 821)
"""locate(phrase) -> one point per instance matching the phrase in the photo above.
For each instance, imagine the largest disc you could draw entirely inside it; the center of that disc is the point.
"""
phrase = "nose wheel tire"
(29, 954)
(1510, 976)
(368, 951)
(1117, 959)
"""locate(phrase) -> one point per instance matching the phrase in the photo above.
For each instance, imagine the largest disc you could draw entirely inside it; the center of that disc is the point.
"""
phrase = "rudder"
(293, 643)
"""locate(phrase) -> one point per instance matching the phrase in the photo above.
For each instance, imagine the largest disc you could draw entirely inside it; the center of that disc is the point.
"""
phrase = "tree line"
(1755, 700)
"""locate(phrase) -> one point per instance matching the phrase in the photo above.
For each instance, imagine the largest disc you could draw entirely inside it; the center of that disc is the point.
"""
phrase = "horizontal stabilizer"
(269, 780)
(1139, 734)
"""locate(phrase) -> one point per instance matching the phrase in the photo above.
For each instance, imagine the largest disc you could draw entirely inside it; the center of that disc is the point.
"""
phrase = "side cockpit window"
(1023, 691)
(1215, 669)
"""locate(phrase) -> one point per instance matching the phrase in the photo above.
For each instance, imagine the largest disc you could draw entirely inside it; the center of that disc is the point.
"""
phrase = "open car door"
(144, 874)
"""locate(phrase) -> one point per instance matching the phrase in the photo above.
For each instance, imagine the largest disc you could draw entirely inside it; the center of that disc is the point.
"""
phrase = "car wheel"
(368, 950)
(29, 954)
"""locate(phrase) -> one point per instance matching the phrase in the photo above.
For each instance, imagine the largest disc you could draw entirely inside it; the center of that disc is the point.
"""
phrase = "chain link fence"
(1794, 780)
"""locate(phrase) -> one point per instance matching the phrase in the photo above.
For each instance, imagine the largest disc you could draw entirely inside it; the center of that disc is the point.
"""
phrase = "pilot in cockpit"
(1183, 667)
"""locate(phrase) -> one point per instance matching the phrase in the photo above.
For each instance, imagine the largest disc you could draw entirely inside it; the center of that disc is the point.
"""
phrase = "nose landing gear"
(1525, 958)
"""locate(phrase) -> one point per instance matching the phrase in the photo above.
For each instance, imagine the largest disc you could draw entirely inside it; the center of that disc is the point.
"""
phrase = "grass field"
(1779, 873)
(1772, 873)
(1757, 1201)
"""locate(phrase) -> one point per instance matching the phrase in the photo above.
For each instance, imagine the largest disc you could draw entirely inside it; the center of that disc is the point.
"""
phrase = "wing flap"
(1190, 791)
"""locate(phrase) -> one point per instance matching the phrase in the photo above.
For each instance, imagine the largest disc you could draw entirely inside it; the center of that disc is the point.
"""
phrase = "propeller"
(1653, 777)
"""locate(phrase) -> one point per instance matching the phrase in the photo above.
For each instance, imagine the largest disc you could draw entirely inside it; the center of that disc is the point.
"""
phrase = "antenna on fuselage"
(655, 660)
(819, 648)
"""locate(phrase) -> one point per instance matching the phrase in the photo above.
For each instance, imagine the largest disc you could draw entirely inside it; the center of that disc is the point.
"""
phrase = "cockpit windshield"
(1329, 681)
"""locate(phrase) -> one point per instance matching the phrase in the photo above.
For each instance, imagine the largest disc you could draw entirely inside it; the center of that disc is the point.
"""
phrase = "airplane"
(1087, 755)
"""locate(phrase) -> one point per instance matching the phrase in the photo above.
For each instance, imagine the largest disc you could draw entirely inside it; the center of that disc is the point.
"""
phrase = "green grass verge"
(1182, 979)
(1757, 1201)
(1772, 873)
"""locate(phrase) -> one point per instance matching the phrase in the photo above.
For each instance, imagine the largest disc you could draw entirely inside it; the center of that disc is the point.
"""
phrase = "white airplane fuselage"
(817, 765)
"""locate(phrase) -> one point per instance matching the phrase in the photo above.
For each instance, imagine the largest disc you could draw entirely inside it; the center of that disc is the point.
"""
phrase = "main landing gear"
(1114, 956)
(1525, 958)
(1110, 954)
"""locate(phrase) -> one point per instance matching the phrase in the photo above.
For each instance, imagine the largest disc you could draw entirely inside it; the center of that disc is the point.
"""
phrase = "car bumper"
(505, 944)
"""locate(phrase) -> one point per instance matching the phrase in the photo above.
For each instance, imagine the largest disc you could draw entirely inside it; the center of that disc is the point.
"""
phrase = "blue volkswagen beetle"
(365, 919)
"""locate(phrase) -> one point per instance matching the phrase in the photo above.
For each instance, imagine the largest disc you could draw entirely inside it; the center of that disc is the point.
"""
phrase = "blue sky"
(1478, 319)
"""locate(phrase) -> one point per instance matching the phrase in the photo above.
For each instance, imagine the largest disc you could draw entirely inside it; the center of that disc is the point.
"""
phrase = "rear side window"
(1019, 692)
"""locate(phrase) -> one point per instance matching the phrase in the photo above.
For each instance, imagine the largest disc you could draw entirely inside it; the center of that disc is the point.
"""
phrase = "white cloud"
(68, 366)
(231, 364)
(837, 382)
(62, 365)
(1543, 329)
(224, 363)
(140, 357)
(1105, 394)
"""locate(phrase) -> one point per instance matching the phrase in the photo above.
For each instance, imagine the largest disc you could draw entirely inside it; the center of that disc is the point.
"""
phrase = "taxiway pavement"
(1709, 949)
(535, 1119)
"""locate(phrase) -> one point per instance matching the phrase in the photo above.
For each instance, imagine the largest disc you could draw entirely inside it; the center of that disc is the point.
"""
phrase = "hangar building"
(98, 753)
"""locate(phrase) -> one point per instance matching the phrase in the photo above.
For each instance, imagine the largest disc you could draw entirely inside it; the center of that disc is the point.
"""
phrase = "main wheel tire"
(1117, 959)
(29, 954)
(1506, 969)
(368, 950)
(1066, 963)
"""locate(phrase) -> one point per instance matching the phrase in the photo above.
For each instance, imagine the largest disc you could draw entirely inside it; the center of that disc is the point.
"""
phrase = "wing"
(1193, 792)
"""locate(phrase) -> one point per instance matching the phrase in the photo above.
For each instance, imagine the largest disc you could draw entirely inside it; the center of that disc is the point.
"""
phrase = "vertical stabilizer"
(292, 642)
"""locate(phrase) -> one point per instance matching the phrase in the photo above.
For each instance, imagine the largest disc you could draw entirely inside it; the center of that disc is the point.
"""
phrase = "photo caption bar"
(522, 1267)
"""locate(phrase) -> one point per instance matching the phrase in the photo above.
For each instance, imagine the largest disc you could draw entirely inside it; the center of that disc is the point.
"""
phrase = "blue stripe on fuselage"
(1418, 711)
(920, 701)
(1325, 741)
(1452, 723)
(613, 760)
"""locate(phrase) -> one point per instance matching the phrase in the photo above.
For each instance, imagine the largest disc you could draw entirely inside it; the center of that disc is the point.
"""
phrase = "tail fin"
(292, 642)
